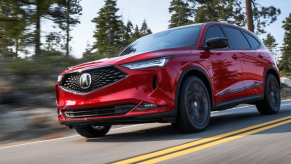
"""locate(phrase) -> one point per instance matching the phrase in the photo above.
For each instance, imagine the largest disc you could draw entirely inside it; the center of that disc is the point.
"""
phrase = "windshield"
(183, 37)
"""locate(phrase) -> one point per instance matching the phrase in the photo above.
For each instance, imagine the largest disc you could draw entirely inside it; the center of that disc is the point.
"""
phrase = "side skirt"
(232, 103)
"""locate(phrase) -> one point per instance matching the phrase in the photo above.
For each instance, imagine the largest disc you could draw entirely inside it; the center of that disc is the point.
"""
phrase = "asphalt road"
(238, 135)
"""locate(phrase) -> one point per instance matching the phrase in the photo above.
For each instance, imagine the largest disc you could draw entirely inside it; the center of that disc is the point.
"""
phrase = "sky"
(157, 16)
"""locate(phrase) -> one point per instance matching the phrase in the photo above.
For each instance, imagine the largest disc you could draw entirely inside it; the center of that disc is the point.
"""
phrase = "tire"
(92, 131)
(272, 99)
(194, 106)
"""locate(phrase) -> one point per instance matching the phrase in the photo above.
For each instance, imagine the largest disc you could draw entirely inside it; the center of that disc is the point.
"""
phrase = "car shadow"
(218, 124)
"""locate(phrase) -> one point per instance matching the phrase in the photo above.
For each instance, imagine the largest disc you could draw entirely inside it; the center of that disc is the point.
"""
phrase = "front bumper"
(164, 117)
(134, 89)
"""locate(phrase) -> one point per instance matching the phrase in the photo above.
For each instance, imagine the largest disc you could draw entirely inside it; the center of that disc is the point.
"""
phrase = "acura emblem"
(85, 81)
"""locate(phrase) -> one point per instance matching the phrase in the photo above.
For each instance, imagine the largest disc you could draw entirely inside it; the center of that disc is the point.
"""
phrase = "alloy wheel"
(197, 104)
(274, 94)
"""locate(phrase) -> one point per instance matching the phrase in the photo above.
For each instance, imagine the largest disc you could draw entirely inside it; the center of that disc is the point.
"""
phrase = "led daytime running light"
(158, 62)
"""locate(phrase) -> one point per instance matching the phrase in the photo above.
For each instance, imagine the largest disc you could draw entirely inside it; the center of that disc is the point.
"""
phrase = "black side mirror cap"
(216, 43)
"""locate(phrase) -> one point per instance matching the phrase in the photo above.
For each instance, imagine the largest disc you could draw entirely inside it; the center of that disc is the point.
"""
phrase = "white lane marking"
(112, 129)
(126, 127)
(285, 104)
(63, 137)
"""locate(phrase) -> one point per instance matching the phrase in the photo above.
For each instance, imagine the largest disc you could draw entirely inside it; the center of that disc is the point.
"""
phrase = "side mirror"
(216, 43)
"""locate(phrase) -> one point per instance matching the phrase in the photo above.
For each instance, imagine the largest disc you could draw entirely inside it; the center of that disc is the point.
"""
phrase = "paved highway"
(238, 135)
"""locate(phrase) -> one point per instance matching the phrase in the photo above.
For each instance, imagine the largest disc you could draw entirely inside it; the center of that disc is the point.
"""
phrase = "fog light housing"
(146, 105)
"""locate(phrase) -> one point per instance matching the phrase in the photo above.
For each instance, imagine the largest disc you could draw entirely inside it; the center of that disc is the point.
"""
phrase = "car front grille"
(97, 112)
(100, 78)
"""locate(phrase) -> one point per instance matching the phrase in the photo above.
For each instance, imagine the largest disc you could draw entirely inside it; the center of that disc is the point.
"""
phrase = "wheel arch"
(198, 72)
(272, 70)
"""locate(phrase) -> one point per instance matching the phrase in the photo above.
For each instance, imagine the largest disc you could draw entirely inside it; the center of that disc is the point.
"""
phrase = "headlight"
(157, 62)
(60, 78)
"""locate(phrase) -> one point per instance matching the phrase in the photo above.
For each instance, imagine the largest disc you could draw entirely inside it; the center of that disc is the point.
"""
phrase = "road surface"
(238, 135)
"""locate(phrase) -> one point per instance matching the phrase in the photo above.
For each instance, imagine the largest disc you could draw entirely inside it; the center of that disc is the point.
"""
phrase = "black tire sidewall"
(267, 95)
(89, 132)
(183, 114)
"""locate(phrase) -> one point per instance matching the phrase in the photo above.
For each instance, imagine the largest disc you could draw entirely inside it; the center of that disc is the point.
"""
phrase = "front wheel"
(194, 106)
(272, 99)
(92, 131)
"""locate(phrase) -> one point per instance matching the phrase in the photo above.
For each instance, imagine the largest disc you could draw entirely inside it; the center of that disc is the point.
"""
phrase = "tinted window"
(237, 39)
(214, 32)
(183, 37)
(253, 42)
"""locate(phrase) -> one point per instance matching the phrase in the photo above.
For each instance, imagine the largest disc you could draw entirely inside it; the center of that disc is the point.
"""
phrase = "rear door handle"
(260, 56)
(235, 56)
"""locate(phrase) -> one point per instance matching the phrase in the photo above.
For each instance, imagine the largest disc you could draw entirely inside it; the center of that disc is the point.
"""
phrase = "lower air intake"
(98, 112)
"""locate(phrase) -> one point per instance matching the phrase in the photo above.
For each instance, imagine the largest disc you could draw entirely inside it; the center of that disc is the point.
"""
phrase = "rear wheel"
(194, 106)
(272, 99)
(91, 131)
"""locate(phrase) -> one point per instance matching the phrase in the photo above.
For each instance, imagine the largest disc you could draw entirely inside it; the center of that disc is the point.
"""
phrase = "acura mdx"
(176, 76)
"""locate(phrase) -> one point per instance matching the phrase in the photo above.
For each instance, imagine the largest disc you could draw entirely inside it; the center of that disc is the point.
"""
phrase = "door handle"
(260, 56)
(235, 56)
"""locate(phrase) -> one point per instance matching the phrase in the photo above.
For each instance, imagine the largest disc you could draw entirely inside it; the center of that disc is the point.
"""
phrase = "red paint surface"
(224, 72)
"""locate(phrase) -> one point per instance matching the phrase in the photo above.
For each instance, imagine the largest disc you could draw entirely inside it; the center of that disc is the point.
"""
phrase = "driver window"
(214, 32)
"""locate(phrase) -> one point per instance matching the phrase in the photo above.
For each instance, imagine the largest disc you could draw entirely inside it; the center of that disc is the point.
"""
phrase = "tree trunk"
(249, 11)
(37, 37)
(68, 31)
(68, 40)
(17, 47)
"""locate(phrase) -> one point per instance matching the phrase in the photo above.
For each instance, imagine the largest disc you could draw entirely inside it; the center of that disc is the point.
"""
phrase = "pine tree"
(108, 30)
(126, 33)
(270, 42)
(34, 11)
(38, 9)
(13, 23)
(285, 62)
(182, 13)
(231, 11)
(66, 15)
(136, 34)
(144, 30)
(53, 41)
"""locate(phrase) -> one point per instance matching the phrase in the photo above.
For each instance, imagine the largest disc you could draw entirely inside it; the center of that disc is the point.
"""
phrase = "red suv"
(177, 76)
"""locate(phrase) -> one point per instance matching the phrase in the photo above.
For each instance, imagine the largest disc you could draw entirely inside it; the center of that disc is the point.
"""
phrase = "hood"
(97, 63)
(131, 58)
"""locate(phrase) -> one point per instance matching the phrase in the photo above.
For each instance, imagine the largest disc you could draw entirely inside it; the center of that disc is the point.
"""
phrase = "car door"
(253, 64)
(251, 59)
(226, 69)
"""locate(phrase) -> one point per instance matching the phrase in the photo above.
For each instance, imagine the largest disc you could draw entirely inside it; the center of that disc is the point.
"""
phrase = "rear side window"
(253, 42)
(214, 32)
(238, 40)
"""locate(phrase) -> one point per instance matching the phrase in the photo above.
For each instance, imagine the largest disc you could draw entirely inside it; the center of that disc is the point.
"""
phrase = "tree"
(223, 10)
(38, 9)
(270, 43)
(136, 34)
(66, 15)
(126, 33)
(182, 13)
(285, 62)
(13, 23)
(108, 30)
(144, 30)
(53, 42)
(230, 11)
